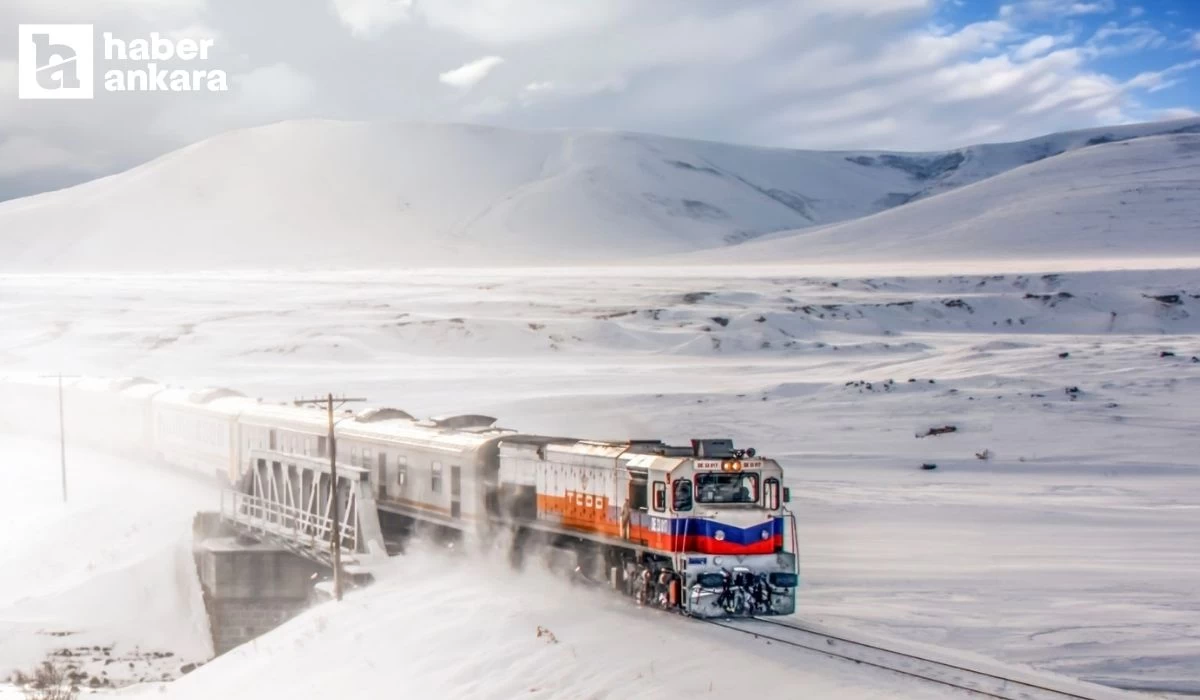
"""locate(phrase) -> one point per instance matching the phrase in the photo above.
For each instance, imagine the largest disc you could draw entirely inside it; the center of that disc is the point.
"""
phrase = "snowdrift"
(321, 194)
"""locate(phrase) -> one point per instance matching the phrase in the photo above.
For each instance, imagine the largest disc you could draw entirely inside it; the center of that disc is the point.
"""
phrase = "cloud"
(468, 74)
(1115, 40)
(29, 152)
(1196, 41)
(1153, 81)
(1041, 9)
(811, 74)
(8, 87)
(1137, 11)
(513, 21)
(1176, 113)
(369, 18)
(1034, 47)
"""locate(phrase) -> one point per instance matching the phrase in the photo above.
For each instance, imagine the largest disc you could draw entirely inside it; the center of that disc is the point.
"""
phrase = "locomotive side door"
(455, 492)
(631, 489)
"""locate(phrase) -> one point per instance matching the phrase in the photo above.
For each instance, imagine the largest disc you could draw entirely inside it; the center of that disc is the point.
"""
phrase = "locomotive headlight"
(719, 536)
(766, 535)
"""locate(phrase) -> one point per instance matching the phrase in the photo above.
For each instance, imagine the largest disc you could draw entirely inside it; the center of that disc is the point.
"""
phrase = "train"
(702, 529)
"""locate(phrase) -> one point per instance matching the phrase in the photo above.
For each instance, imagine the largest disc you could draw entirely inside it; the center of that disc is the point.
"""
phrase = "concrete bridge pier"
(252, 587)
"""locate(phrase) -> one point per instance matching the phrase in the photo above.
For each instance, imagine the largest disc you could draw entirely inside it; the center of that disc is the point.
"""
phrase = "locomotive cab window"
(682, 495)
(660, 496)
(771, 494)
(740, 487)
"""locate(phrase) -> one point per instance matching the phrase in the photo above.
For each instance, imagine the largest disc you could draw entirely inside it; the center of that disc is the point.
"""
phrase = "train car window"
(435, 481)
(355, 457)
(366, 458)
(683, 495)
(273, 438)
(402, 471)
(321, 446)
(771, 494)
(660, 496)
(739, 487)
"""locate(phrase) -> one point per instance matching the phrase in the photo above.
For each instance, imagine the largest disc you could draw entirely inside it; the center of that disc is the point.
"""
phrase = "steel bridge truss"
(287, 499)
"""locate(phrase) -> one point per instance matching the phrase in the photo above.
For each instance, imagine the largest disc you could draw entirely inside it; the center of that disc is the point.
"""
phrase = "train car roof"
(218, 401)
(111, 384)
(307, 418)
(142, 390)
(627, 448)
(655, 462)
(589, 448)
(42, 380)
(422, 434)
(384, 425)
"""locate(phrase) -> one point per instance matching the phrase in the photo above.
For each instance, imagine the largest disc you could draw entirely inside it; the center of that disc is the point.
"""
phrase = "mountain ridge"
(356, 194)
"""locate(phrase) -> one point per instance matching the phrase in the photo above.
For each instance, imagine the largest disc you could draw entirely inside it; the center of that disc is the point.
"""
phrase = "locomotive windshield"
(741, 487)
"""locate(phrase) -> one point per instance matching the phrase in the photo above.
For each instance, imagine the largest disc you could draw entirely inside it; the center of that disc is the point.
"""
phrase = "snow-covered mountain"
(344, 194)
(1130, 199)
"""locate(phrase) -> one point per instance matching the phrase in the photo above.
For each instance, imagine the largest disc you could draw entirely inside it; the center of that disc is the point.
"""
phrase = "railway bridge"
(294, 501)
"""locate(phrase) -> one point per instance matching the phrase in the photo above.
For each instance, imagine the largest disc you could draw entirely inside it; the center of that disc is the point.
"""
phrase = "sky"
(820, 74)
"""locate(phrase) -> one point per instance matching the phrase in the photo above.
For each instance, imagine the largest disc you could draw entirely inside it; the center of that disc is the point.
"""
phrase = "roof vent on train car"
(212, 394)
(712, 448)
(464, 422)
(645, 446)
(375, 415)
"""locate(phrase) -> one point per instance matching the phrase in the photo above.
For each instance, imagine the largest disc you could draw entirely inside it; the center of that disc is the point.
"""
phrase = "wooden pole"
(336, 532)
(62, 438)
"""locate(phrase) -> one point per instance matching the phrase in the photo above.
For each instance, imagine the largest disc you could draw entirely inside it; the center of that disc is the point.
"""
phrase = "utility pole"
(62, 433)
(62, 439)
(335, 533)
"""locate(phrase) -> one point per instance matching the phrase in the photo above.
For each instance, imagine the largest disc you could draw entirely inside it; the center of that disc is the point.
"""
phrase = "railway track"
(979, 682)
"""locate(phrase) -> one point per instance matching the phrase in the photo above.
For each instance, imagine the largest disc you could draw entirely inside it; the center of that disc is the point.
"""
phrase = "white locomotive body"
(701, 525)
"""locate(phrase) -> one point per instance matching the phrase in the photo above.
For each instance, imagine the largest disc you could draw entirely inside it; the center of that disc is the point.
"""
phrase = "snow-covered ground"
(105, 582)
(437, 626)
(1071, 549)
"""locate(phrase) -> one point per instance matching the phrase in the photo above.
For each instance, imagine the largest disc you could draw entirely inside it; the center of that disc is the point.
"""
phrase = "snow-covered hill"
(340, 194)
(1130, 199)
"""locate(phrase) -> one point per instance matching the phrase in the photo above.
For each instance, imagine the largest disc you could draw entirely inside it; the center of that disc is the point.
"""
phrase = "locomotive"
(699, 528)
